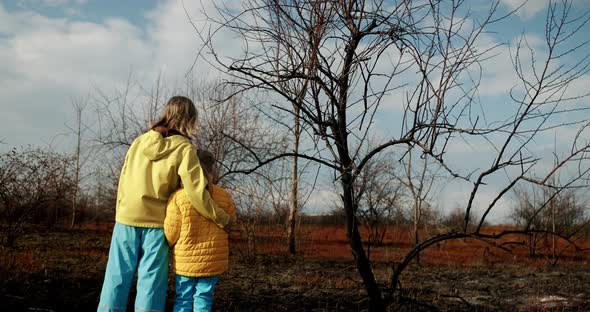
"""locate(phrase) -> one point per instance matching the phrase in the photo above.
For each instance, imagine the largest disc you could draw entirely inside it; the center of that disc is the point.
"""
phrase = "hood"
(155, 146)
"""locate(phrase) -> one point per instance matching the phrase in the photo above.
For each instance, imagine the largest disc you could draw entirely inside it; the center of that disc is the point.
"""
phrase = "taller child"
(155, 164)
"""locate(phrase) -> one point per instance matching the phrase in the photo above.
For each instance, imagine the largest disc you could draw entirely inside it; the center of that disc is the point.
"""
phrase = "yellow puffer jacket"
(199, 247)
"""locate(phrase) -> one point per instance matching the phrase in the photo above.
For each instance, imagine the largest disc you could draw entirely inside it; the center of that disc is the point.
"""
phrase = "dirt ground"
(62, 270)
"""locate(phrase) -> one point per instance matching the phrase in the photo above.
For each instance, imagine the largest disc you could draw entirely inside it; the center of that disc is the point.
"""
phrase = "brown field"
(62, 270)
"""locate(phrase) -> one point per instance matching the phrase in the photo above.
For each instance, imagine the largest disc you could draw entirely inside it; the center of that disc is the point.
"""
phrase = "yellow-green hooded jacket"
(153, 169)
(199, 248)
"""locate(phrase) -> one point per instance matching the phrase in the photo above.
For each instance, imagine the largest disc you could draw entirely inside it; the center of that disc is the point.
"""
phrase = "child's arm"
(224, 200)
(172, 222)
(195, 183)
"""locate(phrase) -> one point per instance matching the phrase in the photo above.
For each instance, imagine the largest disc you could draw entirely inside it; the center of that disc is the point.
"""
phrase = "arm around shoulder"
(225, 201)
(195, 183)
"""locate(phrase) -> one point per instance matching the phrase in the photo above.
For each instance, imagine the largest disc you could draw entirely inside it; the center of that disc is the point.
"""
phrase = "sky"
(56, 51)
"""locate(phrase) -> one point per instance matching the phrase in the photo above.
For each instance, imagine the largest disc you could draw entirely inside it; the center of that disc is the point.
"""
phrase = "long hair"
(179, 114)
(208, 164)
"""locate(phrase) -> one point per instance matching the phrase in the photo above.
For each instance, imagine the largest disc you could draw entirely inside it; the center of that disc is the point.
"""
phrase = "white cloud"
(175, 39)
(322, 201)
(530, 8)
(24, 21)
(79, 52)
(578, 89)
(526, 8)
(457, 196)
(46, 61)
(499, 75)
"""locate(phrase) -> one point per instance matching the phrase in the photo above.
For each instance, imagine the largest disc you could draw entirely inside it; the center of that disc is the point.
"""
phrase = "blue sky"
(54, 51)
(86, 10)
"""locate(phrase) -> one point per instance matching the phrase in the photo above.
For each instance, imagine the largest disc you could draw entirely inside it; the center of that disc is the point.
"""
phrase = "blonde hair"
(208, 164)
(179, 114)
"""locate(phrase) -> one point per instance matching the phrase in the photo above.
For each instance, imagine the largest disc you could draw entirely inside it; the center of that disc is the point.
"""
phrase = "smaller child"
(200, 249)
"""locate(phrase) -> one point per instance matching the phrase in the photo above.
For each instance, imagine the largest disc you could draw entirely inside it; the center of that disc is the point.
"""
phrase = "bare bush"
(380, 198)
(35, 187)
(455, 220)
(565, 215)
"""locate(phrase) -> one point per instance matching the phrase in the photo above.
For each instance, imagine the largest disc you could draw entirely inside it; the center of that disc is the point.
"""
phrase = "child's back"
(200, 248)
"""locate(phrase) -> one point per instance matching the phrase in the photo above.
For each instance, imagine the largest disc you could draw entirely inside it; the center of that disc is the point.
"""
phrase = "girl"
(200, 249)
(155, 164)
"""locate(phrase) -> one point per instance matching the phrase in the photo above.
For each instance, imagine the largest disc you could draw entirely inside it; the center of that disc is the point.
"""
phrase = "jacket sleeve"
(224, 200)
(195, 183)
(172, 222)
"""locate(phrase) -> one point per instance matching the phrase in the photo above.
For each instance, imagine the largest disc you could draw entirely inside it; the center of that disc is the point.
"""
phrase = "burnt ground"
(63, 271)
(335, 286)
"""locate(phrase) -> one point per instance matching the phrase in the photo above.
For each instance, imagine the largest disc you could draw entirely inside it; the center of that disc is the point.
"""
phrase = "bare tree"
(294, 192)
(347, 57)
(253, 202)
(124, 114)
(231, 128)
(298, 87)
(239, 135)
(540, 96)
(82, 153)
(104, 189)
(419, 178)
(338, 47)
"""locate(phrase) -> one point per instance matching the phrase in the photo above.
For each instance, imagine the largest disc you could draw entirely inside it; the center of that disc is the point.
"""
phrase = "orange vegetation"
(329, 242)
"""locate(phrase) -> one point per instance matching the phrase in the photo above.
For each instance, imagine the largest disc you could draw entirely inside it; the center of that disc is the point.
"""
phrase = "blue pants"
(144, 250)
(194, 293)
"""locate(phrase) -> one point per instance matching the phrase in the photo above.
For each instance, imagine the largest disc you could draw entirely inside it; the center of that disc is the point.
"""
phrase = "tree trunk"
(416, 200)
(74, 208)
(362, 262)
(340, 131)
(553, 254)
(79, 110)
(416, 236)
(293, 197)
(291, 222)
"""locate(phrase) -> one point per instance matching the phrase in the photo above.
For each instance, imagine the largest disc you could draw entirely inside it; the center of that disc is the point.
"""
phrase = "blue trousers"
(194, 293)
(144, 250)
